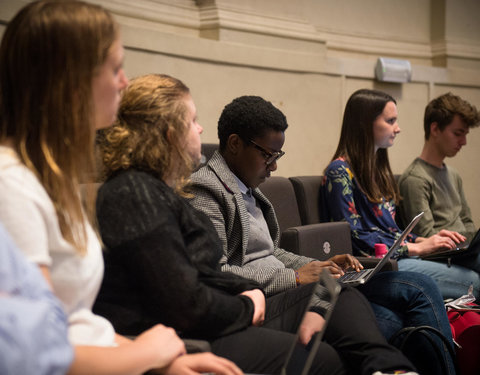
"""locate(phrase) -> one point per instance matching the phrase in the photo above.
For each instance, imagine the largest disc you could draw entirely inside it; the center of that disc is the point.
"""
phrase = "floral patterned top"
(370, 223)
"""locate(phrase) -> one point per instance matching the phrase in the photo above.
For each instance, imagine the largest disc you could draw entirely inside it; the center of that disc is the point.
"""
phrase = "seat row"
(296, 201)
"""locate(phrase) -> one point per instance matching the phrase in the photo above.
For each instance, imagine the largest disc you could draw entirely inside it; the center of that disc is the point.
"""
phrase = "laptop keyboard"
(354, 275)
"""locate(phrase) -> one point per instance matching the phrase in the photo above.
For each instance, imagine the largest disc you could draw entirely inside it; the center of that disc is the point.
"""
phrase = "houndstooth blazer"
(217, 194)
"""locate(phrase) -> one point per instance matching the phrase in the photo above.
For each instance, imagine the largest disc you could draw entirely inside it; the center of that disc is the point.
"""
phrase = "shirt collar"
(243, 188)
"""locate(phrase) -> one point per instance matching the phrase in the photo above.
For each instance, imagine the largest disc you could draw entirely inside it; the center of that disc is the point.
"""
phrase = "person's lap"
(352, 336)
(264, 350)
(354, 333)
(453, 281)
(409, 299)
(284, 311)
(402, 299)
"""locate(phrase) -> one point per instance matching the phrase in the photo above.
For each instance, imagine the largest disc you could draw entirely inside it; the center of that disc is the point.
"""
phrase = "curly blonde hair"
(149, 133)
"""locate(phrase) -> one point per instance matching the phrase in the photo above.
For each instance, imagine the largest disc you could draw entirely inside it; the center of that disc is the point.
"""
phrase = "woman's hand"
(311, 324)
(258, 299)
(161, 343)
(195, 364)
(346, 261)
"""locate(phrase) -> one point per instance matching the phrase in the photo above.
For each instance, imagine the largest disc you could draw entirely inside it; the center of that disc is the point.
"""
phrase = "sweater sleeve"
(138, 224)
(341, 206)
(465, 214)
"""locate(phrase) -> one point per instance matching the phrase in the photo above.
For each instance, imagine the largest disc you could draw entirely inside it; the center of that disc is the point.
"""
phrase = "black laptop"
(465, 249)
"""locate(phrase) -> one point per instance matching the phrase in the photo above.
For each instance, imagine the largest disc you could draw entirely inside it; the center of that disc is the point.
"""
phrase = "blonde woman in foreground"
(60, 79)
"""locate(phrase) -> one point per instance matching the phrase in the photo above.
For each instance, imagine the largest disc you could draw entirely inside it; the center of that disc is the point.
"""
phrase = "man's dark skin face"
(247, 162)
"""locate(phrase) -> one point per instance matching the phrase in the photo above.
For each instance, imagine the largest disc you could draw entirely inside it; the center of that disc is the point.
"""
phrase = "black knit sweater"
(162, 263)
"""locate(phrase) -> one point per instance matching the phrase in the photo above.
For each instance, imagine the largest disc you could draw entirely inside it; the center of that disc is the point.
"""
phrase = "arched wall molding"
(219, 32)
(223, 32)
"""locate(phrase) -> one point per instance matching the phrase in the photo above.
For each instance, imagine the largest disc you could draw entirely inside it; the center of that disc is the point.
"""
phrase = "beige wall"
(307, 57)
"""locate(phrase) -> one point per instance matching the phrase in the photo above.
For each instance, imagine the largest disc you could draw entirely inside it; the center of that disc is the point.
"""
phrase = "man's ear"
(234, 142)
(434, 129)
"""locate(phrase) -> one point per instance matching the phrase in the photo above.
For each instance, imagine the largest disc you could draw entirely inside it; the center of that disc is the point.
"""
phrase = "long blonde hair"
(150, 130)
(49, 54)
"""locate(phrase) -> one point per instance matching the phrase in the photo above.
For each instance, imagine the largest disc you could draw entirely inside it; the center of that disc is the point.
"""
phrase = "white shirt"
(29, 216)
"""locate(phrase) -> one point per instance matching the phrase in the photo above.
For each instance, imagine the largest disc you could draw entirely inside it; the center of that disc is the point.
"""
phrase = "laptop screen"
(396, 245)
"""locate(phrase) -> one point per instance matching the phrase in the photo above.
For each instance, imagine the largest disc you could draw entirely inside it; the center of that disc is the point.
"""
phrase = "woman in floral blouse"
(359, 187)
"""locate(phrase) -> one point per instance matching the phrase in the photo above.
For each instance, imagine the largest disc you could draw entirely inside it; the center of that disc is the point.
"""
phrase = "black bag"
(414, 342)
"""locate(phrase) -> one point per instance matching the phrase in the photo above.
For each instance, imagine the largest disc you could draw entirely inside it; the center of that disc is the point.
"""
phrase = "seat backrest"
(320, 241)
(307, 193)
(208, 149)
(207, 152)
(279, 191)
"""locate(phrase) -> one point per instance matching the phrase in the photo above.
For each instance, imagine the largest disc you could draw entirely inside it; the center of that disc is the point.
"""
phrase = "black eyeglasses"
(269, 157)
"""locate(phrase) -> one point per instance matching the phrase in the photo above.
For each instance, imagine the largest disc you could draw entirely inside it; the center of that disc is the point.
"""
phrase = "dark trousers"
(352, 341)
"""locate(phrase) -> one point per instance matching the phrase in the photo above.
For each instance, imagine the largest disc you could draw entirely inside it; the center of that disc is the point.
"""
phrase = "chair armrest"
(391, 265)
(197, 346)
(191, 345)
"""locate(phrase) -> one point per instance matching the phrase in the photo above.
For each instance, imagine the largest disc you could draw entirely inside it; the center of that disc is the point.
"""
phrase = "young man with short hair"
(428, 184)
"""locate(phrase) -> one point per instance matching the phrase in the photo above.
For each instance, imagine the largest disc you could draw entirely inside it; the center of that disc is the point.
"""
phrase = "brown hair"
(357, 145)
(150, 131)
(442, 110)
(49, 54)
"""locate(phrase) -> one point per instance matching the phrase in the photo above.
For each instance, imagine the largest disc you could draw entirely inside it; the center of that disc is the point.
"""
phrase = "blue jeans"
(406, 299)
(452, 281)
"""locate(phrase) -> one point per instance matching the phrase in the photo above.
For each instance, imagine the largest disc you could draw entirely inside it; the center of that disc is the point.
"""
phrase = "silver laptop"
(327, 289)
(355, 278)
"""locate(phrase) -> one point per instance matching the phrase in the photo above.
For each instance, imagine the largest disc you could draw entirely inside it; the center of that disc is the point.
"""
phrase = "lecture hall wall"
(307, 57)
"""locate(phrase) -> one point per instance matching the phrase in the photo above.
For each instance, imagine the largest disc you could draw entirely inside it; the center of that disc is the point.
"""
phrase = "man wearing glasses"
(251, 132)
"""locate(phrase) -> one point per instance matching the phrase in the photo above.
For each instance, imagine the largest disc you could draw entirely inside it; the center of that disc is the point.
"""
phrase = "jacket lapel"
(218, 165)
